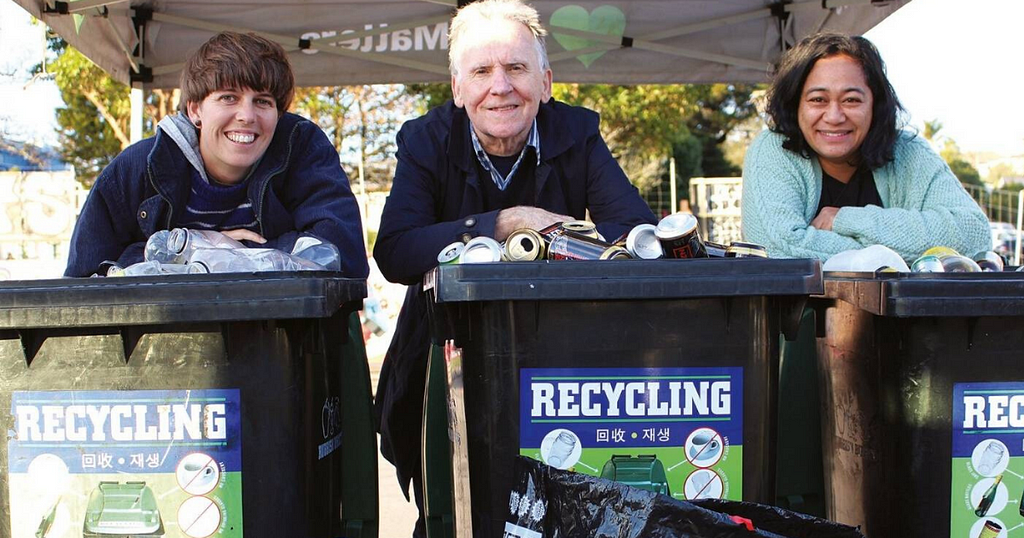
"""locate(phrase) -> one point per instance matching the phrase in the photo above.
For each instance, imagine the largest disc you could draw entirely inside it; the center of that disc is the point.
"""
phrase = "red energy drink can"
(679, 236)
(573, 246)
(551, 232)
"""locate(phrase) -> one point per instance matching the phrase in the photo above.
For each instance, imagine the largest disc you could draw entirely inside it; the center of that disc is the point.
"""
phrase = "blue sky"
(953, 60)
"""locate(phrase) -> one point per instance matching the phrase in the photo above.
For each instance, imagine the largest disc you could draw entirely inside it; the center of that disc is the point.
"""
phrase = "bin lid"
(906, 295)
(624, 279)
(153, 300)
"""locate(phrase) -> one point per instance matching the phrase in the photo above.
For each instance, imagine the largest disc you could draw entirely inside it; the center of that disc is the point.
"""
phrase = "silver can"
(989, 261)
(581, 227)
(451, 253)
(739, 249)
(524, 245)
(481, 249)
(642, 242)
(715, 250)
(679, 236)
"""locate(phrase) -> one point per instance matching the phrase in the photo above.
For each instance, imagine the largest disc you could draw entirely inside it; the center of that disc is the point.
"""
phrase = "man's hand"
(515, 218)
(825, 218)
(241, 234)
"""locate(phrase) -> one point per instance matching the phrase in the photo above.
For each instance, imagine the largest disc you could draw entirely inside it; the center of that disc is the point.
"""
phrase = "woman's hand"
(241, 234)
(824, 219)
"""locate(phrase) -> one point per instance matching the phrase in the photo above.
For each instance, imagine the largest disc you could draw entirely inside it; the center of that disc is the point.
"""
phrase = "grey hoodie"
(183, 132)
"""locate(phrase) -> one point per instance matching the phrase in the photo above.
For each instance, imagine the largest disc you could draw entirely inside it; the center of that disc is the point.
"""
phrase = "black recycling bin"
(662, 371)
(225, 405)
(922, 389)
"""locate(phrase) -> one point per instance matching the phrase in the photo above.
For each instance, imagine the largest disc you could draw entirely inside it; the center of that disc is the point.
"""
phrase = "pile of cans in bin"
(947, 260)
(676, 236)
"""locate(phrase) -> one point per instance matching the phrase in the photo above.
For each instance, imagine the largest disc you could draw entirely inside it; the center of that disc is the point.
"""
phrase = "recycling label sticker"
(987, 483)
(126, 463)
(677, 431)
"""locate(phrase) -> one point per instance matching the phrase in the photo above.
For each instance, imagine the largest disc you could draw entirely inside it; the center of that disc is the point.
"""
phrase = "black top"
(519, 190)
(860, 191)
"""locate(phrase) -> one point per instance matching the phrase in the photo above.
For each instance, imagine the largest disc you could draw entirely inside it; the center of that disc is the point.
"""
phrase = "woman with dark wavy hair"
(835, 171)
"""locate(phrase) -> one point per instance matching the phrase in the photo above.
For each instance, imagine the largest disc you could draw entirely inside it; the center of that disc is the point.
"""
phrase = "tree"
(94, 123)
(1000, 173)
(362, 122)
(931, 130)
(963, 170)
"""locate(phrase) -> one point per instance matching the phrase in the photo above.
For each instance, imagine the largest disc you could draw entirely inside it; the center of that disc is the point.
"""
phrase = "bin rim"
(906, 295)
(176, 299)
(624, 279)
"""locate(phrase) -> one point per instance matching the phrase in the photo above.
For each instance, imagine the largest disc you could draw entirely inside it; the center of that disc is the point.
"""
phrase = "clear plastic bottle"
(175, 246)
(151, 267)
(246, 260)
(318, 251)
(157, 249)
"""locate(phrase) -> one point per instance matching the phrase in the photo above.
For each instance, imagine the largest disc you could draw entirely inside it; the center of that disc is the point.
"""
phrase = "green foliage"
(931, 130)
(1000, 173)
(429, 95)
(93, 126)
(362, 122)
(963, 170)
(93, 123)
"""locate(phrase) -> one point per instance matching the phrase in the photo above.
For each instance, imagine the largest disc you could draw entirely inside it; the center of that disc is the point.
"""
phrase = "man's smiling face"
(501, 83)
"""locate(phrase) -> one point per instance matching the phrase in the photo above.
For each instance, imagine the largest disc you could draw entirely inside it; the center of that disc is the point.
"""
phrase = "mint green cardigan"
(925, 205)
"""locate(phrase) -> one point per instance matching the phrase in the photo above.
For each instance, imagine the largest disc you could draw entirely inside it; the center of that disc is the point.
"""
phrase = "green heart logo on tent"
(606, 20)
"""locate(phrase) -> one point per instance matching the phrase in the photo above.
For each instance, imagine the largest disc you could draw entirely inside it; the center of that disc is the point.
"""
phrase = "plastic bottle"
(157, 249)
(151, 267)
(246, 260)
(175, 246)
(318, 251)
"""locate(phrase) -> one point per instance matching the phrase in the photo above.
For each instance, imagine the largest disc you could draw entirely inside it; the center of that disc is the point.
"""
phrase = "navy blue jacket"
(436, 199)
(297, 187)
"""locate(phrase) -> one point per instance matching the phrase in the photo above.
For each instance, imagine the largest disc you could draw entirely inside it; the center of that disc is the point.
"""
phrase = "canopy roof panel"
(341, 42)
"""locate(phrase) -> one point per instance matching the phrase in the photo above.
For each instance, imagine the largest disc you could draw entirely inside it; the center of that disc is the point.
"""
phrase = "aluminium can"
(551, 231)
(739, 249)
(581, 227)
(573, 246)
(524, 245)
(715, 250)
(679, 236)
(989, 261)
(642, 242)
(927, 264)
(451, 253)
(481, 249)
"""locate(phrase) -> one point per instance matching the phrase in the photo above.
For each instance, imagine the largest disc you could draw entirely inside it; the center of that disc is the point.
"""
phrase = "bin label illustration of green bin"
(126, 463)
(987, 482)
(670, 430)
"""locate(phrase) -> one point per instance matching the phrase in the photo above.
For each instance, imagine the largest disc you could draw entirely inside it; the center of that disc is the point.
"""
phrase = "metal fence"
(715, 201)
(1000, 206)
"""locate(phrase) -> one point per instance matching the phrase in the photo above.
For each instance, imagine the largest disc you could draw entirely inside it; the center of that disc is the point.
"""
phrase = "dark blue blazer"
(437, 198)
(298, 187)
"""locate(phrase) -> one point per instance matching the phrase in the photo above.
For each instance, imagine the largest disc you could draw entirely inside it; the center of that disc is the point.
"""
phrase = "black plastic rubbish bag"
(551, 503)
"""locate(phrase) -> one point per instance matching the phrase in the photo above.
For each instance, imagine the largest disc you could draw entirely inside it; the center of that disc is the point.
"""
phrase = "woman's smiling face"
(835, 111)
(235, 129)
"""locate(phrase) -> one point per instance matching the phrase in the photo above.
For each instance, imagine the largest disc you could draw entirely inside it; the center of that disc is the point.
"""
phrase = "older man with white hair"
(502, 155)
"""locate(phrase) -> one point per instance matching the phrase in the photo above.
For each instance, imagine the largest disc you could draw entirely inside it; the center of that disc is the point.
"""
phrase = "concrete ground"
(397, 516)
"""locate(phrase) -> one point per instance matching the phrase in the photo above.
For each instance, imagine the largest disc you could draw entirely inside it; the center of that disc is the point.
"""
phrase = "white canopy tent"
(386, 41)
(144, 42)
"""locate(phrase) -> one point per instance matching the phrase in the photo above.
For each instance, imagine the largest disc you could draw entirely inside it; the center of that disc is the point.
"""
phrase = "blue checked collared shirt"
(533, 140)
